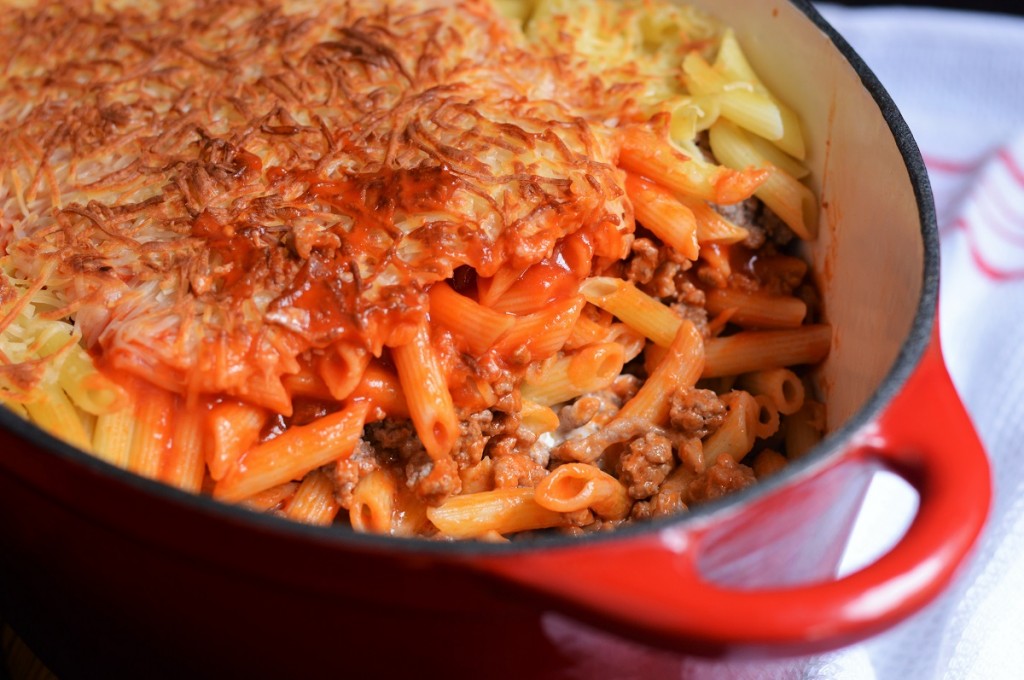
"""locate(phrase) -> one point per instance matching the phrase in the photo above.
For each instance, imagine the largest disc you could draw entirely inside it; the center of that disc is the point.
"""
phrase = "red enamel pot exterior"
(108, 575)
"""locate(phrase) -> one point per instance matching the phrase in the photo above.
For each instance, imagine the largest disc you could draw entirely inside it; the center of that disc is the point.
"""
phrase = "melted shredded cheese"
(220, 187)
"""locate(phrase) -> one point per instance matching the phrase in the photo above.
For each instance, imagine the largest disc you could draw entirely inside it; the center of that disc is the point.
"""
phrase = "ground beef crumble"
(724, 477)
(696, 413)
(349, 471)
(646, 464)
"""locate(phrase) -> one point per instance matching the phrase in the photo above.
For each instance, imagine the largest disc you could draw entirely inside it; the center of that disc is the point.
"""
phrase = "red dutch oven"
(107, 574)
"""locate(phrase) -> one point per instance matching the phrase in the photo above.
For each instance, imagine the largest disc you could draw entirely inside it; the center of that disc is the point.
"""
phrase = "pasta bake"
(439, 268)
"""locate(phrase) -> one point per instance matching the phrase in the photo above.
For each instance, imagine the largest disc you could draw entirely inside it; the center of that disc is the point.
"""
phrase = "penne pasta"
(232, 428)
(661, 212)
(577, 486)
(750, 351)
(543, 333)
(633, 307)
(735, 437)
(591, 368)
(479, 326)
(154, 428)
(426, 394)
(793, 202)
(767, 417)
(293, 454)
(373, 503)
(651, 156)
(757, 309)
(781, 385)
(504, 511)
(341, 367)
(185, 466)
(314, 501)
(113, 435)
(680, 367)
(712, 227)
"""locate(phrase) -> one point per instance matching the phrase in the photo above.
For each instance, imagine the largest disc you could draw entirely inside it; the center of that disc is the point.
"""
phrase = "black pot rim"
(344, 538)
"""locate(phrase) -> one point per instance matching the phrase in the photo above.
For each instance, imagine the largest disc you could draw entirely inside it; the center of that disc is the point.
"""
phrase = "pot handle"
(651, 587)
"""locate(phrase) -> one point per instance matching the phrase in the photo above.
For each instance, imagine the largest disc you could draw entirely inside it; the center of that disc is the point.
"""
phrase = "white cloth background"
(958, 79)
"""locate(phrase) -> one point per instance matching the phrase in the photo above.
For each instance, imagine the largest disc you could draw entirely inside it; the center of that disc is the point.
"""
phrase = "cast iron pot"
(104, 573)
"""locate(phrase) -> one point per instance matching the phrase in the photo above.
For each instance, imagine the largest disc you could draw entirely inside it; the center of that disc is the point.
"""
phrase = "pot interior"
(870, 256)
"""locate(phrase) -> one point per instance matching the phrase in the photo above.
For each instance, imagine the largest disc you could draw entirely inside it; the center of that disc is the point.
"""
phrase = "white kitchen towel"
(958, 79)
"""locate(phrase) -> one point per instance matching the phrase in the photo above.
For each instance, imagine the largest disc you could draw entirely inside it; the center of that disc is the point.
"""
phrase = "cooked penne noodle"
(781, 385)
(381, 388)
(661, 212)
(651, 156)
(767, 417)
(804, 429)
(586, 331)
(373, 503)
(314, 501)
(737, 433)
(113, 435)
(750, 351)
(681, 367)
(87, 388)
(752, 111)
(733, 65)
(591, 368)
(154, 428)
(185, 466)
(426, 394)
(232, 428)
(341, 368)
(409, 517)
(543, 333)
(293, 454)
(537, 418)
(741, 102)
(505, 511)
(632, 342)
(272, 498)
(632, 306)
(578, 486)
(757, 309)
(793, 202)
(479, 326)
(692, 115)
(55, 413)
(712, 227)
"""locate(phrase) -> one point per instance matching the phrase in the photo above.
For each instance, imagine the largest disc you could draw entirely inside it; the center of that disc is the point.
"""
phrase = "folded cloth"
(958, 79)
